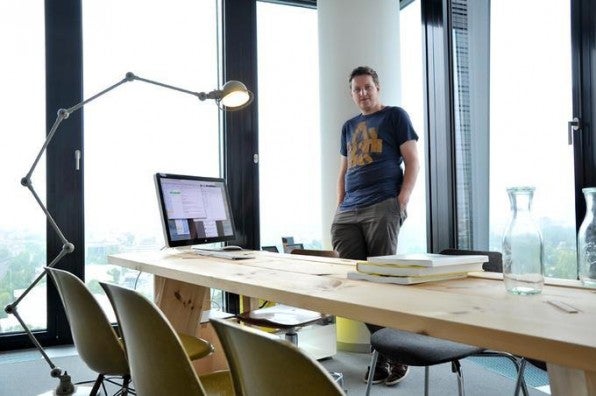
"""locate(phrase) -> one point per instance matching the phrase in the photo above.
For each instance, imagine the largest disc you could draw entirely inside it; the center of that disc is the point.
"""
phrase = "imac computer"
(196, 210)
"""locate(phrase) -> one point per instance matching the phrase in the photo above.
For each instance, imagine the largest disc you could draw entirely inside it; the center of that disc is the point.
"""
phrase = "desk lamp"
(232, 96)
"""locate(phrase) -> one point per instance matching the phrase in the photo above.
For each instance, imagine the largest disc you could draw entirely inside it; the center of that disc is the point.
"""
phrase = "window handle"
(573, 125)
(77, 154)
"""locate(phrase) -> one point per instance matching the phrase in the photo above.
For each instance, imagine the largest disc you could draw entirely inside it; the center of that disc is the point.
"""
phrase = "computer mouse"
(231, 247)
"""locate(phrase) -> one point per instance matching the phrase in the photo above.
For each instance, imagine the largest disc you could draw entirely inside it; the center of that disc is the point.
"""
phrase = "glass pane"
(22, 228)
(530, 103)
(140, 129)
(412, 236)
(290, 157)
(513, 101)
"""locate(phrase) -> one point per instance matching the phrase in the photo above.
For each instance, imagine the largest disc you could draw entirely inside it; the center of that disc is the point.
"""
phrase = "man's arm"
(341, 180)
(409, 152)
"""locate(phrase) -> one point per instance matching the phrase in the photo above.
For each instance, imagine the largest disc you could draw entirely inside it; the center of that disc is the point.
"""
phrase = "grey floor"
(25, 373)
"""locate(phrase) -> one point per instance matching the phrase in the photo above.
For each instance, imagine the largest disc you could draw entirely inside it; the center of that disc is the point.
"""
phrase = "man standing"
(372, 189)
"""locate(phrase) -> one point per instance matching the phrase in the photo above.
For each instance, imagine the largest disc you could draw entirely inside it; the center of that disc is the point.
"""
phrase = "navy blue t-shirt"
(371, 145)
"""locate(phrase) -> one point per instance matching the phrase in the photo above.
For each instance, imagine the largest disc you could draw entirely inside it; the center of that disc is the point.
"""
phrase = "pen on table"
(563, 306)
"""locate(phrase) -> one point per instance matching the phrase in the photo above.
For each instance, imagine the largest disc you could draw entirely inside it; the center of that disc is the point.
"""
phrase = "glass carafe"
(586, 241)
(523, 267)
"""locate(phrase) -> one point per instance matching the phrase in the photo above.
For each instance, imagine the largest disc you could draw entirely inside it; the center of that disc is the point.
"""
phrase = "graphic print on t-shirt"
(364, 142)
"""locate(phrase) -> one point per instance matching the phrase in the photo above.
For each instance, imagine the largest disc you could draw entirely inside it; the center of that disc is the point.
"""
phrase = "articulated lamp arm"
(233, 96)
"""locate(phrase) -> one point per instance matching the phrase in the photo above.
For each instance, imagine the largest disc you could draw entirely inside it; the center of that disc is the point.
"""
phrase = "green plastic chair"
(264, 365)
(96, 341)
(157, 360)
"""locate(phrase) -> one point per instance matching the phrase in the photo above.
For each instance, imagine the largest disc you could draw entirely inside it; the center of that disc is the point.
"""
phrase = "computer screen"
(194, 209)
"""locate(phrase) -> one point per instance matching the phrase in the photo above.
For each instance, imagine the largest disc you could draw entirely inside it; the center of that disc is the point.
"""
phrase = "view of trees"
(560, 260)
(22, 258)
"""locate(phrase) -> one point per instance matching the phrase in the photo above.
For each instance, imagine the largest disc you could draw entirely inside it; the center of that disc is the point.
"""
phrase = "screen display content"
(194, 209)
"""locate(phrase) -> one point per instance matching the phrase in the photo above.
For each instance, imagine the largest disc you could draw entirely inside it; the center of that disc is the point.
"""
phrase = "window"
(289, 135)
(140, 129)
(412, 236)
(512, 72)
(537, 112)
(23, 225)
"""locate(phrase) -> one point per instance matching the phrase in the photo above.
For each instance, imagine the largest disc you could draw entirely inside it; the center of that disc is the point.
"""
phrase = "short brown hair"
(364, 71)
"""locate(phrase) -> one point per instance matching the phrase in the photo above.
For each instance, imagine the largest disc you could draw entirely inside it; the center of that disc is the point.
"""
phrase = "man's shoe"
(381, 373)
(397, 372)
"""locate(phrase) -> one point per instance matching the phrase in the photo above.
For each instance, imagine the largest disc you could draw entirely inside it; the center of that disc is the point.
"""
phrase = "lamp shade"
(234, 95)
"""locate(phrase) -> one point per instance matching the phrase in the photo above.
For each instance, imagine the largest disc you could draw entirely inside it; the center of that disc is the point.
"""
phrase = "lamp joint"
(63, 114)
(68, 247)
(56, 372)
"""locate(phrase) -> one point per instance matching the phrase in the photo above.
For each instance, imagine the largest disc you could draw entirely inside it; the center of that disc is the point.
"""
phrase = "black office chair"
(289, 248)
(421, 350)
(270, 249)
(495, 264)
(315, 252)
(418, 350)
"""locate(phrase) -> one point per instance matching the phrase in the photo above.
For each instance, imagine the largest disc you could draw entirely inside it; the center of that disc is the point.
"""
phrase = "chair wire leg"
(521, 383)
(456, 368)
(426, 379)
(125, 384)
(371, 371)
(519, 364)
(96, 385)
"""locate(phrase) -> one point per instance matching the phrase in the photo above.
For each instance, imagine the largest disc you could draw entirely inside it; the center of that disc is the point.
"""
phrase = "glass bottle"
(523, 267)
(586, 241)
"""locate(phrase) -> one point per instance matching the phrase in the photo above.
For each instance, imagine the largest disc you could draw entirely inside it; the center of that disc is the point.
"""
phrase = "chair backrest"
(270, 249)
(264, 365)
(495, 259)
(96, 341)
(314, 252)
(288, 248)
(158, 363)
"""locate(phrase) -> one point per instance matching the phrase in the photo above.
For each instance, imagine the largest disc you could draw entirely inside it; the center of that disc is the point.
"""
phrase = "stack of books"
(407, 269)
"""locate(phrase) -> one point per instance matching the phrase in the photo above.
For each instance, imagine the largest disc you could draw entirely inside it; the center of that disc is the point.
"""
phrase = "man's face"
(365, 94)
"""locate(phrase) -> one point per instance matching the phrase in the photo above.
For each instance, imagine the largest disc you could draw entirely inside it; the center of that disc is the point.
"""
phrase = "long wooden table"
(475, 310)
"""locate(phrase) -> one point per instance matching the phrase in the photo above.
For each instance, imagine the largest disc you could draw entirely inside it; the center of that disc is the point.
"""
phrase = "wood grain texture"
(181, 302)
(474, 310)
(568, 381)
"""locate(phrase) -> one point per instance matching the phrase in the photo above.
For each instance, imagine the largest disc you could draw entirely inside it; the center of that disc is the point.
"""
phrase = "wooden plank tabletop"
(473, 310)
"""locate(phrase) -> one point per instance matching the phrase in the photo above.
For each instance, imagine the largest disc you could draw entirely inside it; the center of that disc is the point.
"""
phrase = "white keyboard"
(225, 254)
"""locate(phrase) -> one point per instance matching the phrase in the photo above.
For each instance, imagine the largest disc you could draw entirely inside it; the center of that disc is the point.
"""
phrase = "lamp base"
(79, 391)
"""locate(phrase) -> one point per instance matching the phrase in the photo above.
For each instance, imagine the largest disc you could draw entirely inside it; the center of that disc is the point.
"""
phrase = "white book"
(400, 270)
(427, 259)
(404, 280)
